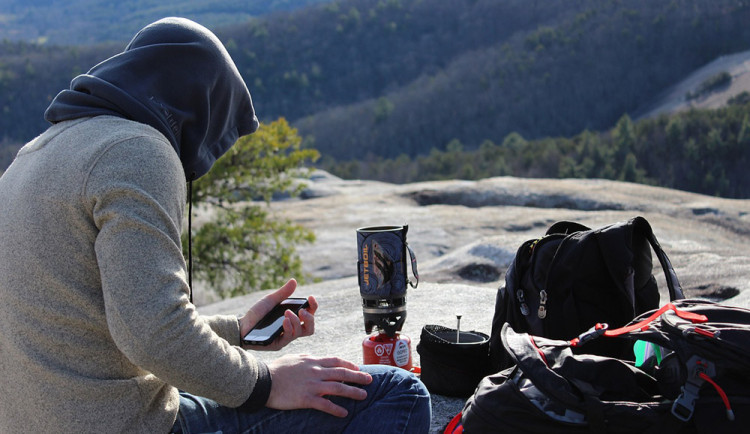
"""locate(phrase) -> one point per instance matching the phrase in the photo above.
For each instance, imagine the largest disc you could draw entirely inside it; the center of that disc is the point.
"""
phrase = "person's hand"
(300, 381)
(294, 326)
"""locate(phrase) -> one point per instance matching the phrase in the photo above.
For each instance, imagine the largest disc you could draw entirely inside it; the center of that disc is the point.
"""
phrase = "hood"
(176, 76)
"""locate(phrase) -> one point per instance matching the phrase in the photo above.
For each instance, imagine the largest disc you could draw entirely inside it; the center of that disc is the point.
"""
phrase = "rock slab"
(465, 233)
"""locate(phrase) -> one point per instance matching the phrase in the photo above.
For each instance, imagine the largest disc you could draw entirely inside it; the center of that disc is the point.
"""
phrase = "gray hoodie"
(98, 331)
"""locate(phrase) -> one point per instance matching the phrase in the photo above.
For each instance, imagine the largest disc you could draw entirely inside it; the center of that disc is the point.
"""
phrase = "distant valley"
(365, 81)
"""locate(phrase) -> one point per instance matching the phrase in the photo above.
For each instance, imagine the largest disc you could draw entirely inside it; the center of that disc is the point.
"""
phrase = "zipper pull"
(542, 312)
(522, 302)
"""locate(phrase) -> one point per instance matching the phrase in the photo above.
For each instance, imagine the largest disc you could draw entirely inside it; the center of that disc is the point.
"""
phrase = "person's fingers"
(335, 362)
(300, 381)
(292, 328)
(313, 305)
(295, 323)
(337, 388)
(334, 388)
(325, 405)
(344, 375)
(287, 336)
(280, 294)
(308, 323)
(265, 305)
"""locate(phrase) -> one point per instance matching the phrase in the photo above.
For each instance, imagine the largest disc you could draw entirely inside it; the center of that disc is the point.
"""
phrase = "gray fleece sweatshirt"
(97, 330)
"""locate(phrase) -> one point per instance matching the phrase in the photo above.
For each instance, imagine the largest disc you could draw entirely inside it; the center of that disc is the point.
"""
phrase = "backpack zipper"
(522, 302)
(520, 296)
(542, 311)
(543, 295)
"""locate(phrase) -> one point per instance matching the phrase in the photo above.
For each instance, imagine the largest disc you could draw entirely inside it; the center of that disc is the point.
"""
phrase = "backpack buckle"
(592, 333)
(684, 406)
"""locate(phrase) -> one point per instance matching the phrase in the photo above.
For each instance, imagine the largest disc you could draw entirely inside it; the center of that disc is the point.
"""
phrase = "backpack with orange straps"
(691, 375)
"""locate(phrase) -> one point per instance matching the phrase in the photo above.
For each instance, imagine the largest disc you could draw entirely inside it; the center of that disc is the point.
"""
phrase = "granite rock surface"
(464, 235)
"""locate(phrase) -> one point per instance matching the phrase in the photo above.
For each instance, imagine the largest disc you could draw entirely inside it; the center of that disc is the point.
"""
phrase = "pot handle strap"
(413, 267)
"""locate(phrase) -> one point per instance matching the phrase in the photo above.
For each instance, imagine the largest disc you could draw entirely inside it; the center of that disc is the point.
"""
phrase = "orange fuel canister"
(381, 349)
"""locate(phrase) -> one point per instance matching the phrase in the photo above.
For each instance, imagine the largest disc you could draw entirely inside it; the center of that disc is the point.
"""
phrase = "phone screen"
(270, 327)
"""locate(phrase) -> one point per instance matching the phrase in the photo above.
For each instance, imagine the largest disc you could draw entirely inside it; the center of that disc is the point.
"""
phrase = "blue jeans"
(397, 402)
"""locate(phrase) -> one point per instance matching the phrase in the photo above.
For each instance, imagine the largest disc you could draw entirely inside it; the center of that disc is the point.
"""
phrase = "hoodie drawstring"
(190, 237)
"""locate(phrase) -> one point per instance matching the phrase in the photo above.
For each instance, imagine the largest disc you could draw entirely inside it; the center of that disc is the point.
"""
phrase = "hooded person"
(177, 77)
(99, 333)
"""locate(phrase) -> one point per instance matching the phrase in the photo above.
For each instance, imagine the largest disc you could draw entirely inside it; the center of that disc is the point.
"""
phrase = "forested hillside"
(95, 21)
(583, 67)
(704, 151)
(365, 79)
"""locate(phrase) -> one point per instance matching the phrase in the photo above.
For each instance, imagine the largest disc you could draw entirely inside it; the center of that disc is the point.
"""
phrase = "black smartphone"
(270, 327)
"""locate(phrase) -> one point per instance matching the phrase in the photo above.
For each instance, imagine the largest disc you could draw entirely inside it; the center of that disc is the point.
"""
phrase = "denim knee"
(402, 396)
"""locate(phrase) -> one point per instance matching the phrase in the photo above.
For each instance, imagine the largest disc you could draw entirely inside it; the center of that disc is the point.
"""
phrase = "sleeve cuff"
(261, 391)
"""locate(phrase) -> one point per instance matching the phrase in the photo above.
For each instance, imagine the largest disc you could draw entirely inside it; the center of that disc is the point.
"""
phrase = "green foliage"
(389, 77)
(91, 21)
(383, 110)
(242, 247)
(704, 151)
(478, 70)
(623, 137)
(379, 84)
(630, 171)
(711, 84)
(740, 99)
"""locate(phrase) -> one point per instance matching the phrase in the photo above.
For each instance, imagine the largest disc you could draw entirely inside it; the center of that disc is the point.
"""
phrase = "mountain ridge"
(676, 99)
(404, 77)
(85, 22)
(362, 81)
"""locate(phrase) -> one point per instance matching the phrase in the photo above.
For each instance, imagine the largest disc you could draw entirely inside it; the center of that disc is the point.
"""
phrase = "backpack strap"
(601, 329)
(641, 224)
(455, 426)
(566, 227)
(673, 284)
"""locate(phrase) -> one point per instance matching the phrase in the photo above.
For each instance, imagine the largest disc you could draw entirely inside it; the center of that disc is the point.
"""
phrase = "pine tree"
(242, 247)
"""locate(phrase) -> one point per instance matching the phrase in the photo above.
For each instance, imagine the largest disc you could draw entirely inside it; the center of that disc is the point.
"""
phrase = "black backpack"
(695, 380)
(573, 277)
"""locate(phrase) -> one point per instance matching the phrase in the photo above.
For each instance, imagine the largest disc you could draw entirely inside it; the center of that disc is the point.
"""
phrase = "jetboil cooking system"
(382, 284)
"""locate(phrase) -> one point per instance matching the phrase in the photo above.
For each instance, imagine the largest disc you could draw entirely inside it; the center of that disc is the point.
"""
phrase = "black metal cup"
(381, 268)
